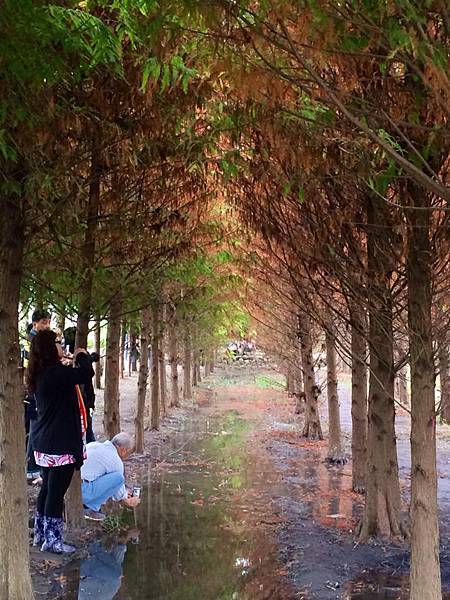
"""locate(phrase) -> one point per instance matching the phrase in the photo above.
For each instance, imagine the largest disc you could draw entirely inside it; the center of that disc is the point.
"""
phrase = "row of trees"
(184, 325)
(108, 210)
(342, 174)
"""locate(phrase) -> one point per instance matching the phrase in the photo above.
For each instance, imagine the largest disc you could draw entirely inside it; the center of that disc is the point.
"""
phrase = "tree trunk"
(401, 390)
(162, 379)
(73, 504)
(162, 369)
(425, 574)
(335, 454)
(88, 248)
(290, 382)
(173, 362)
(139, 422)
(359, 398)
(132, 356)
(111, 417)
(444, 369)
(382, 507)
(199, 368)
(187, 389)
(98, 350)
(155, 389)
(312, 428)
(207, 368)
(129, 351)
(15, 580)
(73, 501)
(123, 339)
(299, 388)
(61, 322)
(195, 369)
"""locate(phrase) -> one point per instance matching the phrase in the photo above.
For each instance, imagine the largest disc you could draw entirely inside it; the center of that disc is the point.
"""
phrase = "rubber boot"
(53, 536)
(38, 531)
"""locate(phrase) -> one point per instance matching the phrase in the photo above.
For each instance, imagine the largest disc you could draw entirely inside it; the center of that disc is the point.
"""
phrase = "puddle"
(195, 535)
(318, 541)
(377, 586)
(380, 586)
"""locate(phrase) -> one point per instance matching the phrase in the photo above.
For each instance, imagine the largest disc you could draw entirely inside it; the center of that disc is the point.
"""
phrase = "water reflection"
(379, 586)
(197, 539)
(324, 490)
(101, 573)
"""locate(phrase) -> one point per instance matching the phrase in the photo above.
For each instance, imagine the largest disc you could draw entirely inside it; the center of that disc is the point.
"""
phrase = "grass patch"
(113, 523)
(263, 381)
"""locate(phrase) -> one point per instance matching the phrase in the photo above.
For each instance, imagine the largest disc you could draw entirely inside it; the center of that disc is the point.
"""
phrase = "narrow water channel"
(192, 537)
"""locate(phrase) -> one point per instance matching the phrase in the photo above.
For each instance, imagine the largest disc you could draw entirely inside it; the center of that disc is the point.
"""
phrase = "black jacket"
(88, 388)
(58, 427)
(30, 400)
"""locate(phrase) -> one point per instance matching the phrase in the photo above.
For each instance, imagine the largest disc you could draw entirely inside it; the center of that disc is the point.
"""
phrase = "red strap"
(82, 408)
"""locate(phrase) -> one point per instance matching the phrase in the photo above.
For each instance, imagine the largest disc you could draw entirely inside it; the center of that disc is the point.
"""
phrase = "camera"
(93, 357)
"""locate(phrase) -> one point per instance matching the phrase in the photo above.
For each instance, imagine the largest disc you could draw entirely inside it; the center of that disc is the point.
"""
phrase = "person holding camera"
(58, 432)
(87, 389)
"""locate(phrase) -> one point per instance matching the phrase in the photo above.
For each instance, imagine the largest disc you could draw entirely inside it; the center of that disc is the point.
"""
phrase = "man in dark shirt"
(40, 321)
(87, 390)
(88, 393)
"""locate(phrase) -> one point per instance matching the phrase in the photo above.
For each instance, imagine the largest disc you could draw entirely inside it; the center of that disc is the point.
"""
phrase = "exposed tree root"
(300, 402)
(312, 431)
(389, 526)
(336, 459)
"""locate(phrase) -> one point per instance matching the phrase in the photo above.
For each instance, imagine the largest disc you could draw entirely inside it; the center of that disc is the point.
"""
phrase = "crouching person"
(102, 475)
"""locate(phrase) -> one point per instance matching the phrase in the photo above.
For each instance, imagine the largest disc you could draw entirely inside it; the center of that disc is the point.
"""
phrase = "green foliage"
(353, 43)
(381, 182)
(82, 33)
(151, 70)
(397, 36)
(207, 294)
(114, 523)
(42, 44)
(229, 169)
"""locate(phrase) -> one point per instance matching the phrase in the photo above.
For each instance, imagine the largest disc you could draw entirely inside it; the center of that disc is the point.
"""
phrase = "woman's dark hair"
(43, 354)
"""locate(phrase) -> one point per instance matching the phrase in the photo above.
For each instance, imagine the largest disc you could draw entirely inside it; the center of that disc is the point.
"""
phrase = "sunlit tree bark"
(335, 454)
(155, 383)
(382, 515)
(359, 397)
(111, 416)
(187, 362)
(139, 422)
(425, 570)
(312, 428)
(15, 580)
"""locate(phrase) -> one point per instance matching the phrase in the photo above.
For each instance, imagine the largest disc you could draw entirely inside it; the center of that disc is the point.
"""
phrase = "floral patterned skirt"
(58, 460)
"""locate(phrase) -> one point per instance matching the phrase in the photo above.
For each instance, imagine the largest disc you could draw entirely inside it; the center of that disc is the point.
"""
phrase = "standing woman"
(58, 433)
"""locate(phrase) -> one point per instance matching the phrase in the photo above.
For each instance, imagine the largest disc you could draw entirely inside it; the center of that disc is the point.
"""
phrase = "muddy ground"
(251, 510)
